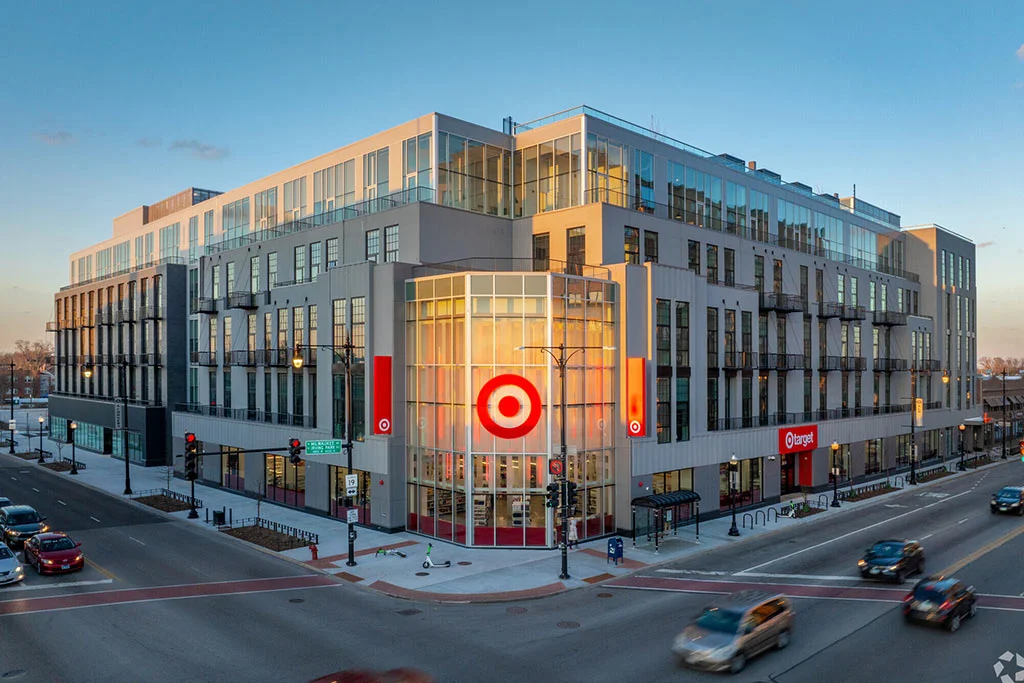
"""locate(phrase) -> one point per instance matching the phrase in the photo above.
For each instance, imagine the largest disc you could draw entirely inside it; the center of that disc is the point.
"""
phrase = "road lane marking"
(963, 520)
(95, 520)
(136, 540)
(14, 479)
(984, 550)
(68, 584)
(101, 570)
(847, 535)
(61, 502)
(804, 577)
(35, 489)
(923, 538)
(708, 572)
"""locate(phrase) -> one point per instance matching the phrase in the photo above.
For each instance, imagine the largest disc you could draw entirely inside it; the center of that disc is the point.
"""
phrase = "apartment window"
(759, 215)
(216, 282)
(282, 394)
(250, 395)
(416, 162)
(822, 340)
(845, 390)
(664, 409)
(193, 385)
(819, 284)
(193, 239)
(877, 388)
(229, 285)
(759, 273)
(359, 379)
(900, 305)
(643, 181)
(682, 334)
(266, 209)
(853, 291)
(693, 256)
(282, 328)
(212, 387)
(730, 332)
(272, 269)
(542, 251)
(762, 333)
(298, 326)
(780, 395)
(735, 208)
(762, 396)
(807, 395)
(250, 332)
(777, 276)
(780, 335)
(841, 288)
(682, 408)
(712, 328)
(872, 293)
(234, 218)
(295, 199)
(804, 287)
(823, 392)
(746, 318)
(748, 400)
(650, 246)
(730, 267)
(268, 330)
(712, 264)
(807, 343)
(315, 253)
(376, 173)
(632, 237)
(883, 296)
(332, 252)
(391, 244)
(373, 245)
(967, 273)
(299, 259)
(227, 388)
(208, 228)
(663, 332)
(254, 274)
(712, 403)
(227, 337)
(297, 396)
(213, 337)
(334, 187)
(312, 326)
(576, 250)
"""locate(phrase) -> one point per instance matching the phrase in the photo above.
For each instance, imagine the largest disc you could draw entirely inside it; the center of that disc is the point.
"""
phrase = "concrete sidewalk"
(475, 574)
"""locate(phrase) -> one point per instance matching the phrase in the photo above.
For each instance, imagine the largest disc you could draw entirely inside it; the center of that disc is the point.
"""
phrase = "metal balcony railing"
(927, 365)
(245, 299)
(889, 318)
(246, 414)
(739, 360)
(203, 358)
(277, 357)
(154, 358)
(125, 315)
(151, 312)
(891, 364)
(243, 357)
(782, 303)
(203, 304)
(853, 313)
(829, 363)
(852, 363)
(783, 362)
(829, 309)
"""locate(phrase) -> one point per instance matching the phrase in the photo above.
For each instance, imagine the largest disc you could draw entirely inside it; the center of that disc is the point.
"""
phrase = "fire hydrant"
(314, 550)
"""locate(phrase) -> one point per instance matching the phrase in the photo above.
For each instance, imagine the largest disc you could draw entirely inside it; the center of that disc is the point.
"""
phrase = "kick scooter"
(429, 563)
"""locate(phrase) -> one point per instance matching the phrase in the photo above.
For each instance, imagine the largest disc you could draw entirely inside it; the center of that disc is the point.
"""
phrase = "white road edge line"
(136, 540)
(847, 535)
(61, 502)
(963, 520)
(95, 520)
(805, 577)
(35, 489)
(924, 538)
(44, 586)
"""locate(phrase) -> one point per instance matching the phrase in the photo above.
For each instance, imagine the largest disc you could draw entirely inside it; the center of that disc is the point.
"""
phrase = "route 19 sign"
(508, 406)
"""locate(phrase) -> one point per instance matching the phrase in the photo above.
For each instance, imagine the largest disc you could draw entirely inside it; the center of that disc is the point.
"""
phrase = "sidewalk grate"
(409, 612)
(568, 624)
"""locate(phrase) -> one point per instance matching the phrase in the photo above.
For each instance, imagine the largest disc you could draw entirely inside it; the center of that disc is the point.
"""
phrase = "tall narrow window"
(712, 327)
(632, 239)
(576, 250)
(373, 245)
(730, 267)
(682, 335)
(272, 269)
(693, 256)
(295, 199)
(682, 408)
(314, 259)
(777, 276)
(391, 244)
(664, 409)
(254, 274)
(332, 252)
(300, 263)
(229, 285)
(650, 246)
(759, 273)
(216, 282)
(663, 335)
(542, 251)
(712, 264)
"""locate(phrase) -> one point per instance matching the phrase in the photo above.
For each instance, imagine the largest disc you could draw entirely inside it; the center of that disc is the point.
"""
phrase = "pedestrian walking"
(574, 538)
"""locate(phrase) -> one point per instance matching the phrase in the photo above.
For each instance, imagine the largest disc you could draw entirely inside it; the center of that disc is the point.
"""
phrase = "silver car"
(11, 570)
(734, 629)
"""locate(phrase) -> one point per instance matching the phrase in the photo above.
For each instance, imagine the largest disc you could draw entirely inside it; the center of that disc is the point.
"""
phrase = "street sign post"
(12, 425)
(324, 447)
(351, 484)
(118, 416)
(353, 516)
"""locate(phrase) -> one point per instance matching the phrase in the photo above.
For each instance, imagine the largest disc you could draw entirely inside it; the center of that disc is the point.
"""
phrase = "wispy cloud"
(201, 150)
(1020, 52)
(60, 137)
(147, 142)
(982, 245)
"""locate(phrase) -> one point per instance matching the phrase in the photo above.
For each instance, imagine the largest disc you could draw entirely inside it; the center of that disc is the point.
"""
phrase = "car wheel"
(783, 640)
(1020, 512)
(954, 623)
(737, 663)
(39, 567)
(993, 511)
(920, 566)
(974, 609)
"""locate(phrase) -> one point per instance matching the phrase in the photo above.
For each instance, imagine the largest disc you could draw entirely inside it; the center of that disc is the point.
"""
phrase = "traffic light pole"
(563, 456)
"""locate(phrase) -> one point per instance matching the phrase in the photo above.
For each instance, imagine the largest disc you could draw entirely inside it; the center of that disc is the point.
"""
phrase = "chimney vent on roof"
(752, 165)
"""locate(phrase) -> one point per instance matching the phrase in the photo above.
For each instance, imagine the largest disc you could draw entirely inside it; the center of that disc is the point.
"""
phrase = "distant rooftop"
(177, 202)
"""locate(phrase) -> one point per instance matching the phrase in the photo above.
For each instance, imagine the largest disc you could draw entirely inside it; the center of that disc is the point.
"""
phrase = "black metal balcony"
(154, 358)
(891, 364)
(151, 312)
(243, 357)
(829, 363)
(889, 318)
(927, 365)
(244, 299)
(829, 309)
(203, 358)
(734, 361)
(783, 362)
(277, 357)
(782, 303)
(852, 363)
(125, 315)
(853, 313)
(202, 304)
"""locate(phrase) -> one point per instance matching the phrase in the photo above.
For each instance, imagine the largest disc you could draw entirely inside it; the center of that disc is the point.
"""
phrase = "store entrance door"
(788, 474)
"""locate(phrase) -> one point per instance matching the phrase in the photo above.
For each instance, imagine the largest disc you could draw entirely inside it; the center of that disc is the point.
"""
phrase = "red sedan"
(54, 553)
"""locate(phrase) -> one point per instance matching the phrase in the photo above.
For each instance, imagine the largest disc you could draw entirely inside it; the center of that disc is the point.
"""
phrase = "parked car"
(5, 502)
(20, 523)
(1008, 499)
(53, 553)
(940, 600)
(892, 559)
(734, 629)
(11, 570)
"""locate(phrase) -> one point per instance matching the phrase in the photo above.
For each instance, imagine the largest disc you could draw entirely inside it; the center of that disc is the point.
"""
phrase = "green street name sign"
(323, 447)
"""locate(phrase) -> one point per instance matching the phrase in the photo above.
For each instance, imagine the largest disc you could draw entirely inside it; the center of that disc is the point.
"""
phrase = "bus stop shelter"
(661, 509)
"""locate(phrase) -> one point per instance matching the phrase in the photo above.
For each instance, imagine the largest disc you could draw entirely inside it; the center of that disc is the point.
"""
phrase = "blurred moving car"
(20, 523)
(11, 570)
(53, 553)
(367, 676)
(940, 600)
(892, 559)
(5, 502)
(734, 629)
(1008, 499)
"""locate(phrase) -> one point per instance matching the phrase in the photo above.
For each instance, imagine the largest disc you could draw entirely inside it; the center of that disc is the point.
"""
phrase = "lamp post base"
(74, 470)
(193, 514)
(733, 531)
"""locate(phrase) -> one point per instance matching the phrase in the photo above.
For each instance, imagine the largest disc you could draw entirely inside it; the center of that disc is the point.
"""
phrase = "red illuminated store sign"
(795, 439)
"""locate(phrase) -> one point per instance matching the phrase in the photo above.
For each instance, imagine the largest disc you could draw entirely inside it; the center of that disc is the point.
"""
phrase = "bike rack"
(768, 515)
(823, 500)
(764, 517)
(743, 520)
(898, 481)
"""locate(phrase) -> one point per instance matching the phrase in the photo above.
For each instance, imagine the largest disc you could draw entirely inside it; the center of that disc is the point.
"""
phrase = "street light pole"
(835, 475)
(11, 397)
(562, 361)
(127, 467)
(74, 462)
(913, 424)
(733, 471)
(1004, 415)
(41, 459)
(962, 466)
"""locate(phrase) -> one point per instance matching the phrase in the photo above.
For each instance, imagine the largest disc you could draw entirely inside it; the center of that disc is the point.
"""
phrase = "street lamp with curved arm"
(835, 474)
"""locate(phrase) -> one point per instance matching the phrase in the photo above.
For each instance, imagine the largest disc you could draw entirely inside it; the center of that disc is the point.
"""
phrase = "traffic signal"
(1022, 451)
(552, 495)
(191, 457)
(571, 494)
(294, 451)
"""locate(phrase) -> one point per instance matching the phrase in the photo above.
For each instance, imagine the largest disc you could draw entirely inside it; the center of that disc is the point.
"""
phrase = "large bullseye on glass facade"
(509, 406)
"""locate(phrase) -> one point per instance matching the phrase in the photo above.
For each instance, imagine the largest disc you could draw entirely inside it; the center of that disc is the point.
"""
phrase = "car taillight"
(908, 597)
(945, 606)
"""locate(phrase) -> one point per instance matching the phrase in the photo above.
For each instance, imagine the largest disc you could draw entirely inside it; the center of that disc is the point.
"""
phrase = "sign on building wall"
(796, 439)
(382, 401)
(636, 396)
(508, 406)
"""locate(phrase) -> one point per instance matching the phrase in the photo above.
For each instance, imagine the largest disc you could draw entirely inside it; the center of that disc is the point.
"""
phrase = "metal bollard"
(207, 515)
(230, 512)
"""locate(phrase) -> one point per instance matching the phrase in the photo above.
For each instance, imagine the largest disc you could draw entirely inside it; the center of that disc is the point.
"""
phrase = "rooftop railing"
(169, 260)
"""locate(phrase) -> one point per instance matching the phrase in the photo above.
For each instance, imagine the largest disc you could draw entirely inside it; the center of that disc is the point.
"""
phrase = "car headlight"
(894, 567)
(725, 652)
(862, 563)
(44, 529)
(19, 570)
(47, 561)
(12, 532)
(77, 558)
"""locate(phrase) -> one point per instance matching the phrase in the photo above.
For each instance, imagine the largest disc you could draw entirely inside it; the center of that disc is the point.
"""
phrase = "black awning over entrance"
(666, 500)
(665, 508)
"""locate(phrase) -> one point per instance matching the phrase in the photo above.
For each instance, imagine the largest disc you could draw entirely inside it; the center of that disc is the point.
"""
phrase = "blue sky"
(107, 106)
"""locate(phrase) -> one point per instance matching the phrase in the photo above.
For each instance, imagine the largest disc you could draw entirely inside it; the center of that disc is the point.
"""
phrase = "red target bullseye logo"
(508, 406)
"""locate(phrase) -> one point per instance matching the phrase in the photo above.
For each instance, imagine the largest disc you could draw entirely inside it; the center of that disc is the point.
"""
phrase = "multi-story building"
(760, 323)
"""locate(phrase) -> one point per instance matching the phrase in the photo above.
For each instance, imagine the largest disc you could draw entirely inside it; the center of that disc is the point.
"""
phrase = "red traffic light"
(190, 437)
(294, 443)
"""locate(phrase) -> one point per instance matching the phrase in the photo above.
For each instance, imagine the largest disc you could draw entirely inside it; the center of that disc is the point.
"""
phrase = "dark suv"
(18, 523)
(892, 560)
(1008, 499)
(940, 600)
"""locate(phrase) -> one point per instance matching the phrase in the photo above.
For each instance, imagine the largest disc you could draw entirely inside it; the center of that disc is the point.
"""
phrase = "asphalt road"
(267, 633)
